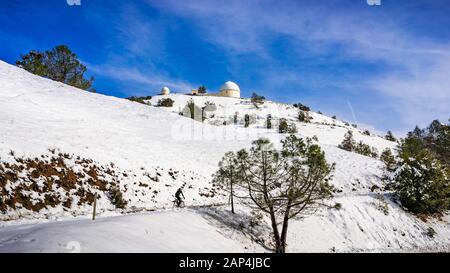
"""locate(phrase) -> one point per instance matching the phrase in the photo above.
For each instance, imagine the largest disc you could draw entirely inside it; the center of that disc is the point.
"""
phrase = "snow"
(38, 115)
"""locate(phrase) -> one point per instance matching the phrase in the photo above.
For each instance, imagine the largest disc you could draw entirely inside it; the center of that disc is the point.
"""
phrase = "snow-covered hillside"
(49, 130)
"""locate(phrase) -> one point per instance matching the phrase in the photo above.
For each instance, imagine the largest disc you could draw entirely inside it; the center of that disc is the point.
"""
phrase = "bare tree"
(284, 183)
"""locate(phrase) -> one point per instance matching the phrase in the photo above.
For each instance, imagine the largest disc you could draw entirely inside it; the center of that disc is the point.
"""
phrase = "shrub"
(364, 149)
(430, 232)
(116, 197)
(388, 159)
(338, 206)
(389, 136)
(166, 102)
(201, 89)
(420, 180)
(302, 107)
(257, 99)
(366, 132)
(269, 121)
(303, 117)
(283, 126)
(348, 143)
(140, 99)
(334, 117)
(246, 120)
(235, 118)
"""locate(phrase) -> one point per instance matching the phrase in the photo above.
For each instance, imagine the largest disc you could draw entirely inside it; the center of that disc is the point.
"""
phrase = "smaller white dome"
(229, 85)
(165, 90)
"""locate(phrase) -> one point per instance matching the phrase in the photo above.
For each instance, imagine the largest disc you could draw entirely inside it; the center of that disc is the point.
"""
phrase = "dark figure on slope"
(178, 195)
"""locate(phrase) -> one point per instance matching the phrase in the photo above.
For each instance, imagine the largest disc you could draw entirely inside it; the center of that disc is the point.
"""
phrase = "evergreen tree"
(348, 143)
(269, 121)
(246, 120)
(201, 89)
(283, 126)
(257, 99)
(228, 175)
(389, 136)
(59, 64)
(421, 182)
(285, 183)
(303, 116)
(235, 118)
(388, 159)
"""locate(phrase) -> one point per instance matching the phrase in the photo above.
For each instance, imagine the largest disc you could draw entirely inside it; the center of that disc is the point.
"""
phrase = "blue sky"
(385, 67)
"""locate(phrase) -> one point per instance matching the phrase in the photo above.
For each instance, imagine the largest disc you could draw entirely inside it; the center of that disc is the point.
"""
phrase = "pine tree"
(228, 175)
(201, 89)
(284, 183)
(59, 64)
(389, 136)
(303, 116)
(348, 143)
(269, 121)
(246, 120)
(388, 159)
(283, 126)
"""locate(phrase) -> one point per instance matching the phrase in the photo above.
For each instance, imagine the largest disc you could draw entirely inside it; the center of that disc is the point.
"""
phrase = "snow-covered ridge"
(38, 116)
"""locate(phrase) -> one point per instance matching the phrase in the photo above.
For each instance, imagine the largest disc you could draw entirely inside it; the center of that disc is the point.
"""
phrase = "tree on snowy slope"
(228, 175)
(284, 183)
(421, 182)
(59, 64)
(348, 143)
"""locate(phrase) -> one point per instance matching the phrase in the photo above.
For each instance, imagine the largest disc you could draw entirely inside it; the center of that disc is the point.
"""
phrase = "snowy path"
(165, 231)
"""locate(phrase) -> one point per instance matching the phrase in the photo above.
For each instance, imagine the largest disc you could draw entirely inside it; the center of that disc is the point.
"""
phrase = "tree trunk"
(276, 234)
(285, 229)
(231, 196)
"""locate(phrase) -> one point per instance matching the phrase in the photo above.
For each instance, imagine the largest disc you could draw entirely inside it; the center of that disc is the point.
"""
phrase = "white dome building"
(230, 89)
(165, 90)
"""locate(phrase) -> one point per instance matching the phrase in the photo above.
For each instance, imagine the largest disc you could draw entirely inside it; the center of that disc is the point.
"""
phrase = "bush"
(302, 107)
(235, 118)
(167, 102)
(431, 232)
(303, 117)
(283, 126)
(348, 143)
(389, 136)
(201, 89)
(420, 180)
(246, 120)
(116, 197)
(257, 99)
(364, 149)
(269, 121)
(334, 117)
(366, 132)
(140, 99)
(388, 159)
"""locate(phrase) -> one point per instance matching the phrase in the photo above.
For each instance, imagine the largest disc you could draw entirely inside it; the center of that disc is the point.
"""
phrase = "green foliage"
(269, 121)
(140, 99)
(430, 232)
(257, 99)
(388, 159)
(348, 143)
(365, 149)
(246, 120)
(59, 64)
(202, 89)
(302, 107)
(303, 116)
(166, 102)
(283, 126)
(282, 183)
(389, 136)
(420, 180)
(116, 197)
